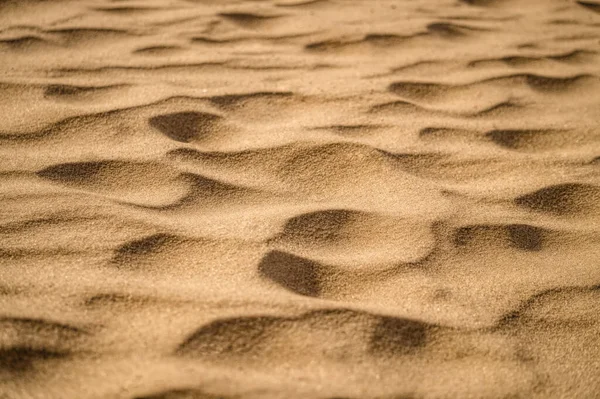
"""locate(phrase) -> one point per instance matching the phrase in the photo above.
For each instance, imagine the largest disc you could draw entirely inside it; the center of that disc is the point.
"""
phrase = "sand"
(299, 199)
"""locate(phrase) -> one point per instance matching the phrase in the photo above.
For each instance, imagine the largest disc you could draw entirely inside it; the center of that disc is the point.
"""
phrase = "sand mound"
(521, 236)
(355, 238)
(184, 394)
(186, 126)
(294, 273)
(333, 333)
(27, 343)
(563, 199)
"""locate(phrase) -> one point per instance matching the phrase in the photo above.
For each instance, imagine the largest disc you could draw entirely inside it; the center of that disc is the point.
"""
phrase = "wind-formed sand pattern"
(299, 199)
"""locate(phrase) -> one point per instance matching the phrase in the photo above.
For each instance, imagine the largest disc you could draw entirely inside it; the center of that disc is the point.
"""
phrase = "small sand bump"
(499, 109)
(481, 3)
(548, 84)
(519, 236)
(575, 56)
(231, 337)
(144, 247)
(296, 274)
(303, 3)
(233, 101)
(126, 10)
(26, 343)
(563, 199)
(393, 336)
(354, 237)
(24, 43)
(248, 20)
(30, 327)
(109, 173)
(116, 299)
(62, 91)
(371, 41)
(449, 30)
(76, 172)
(185, 394)
(352, 129)
(595, 7)
(532, 140)
(405, 107)
(421, 91)
(21, 360)
(324, 45)
(157, 50)
(530, 311)
(187, 126)
(381, 336)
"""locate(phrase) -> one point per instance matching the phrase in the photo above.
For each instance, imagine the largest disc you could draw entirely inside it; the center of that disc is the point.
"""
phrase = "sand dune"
(299, 199)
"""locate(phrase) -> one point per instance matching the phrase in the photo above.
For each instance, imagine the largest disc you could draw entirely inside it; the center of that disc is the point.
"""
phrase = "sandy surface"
(299, 199)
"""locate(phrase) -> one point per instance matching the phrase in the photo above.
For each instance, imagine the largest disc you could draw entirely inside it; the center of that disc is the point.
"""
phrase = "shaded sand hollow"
(289, 199)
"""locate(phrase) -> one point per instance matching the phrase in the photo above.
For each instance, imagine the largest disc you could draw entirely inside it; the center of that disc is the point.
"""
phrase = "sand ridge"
(299, 199)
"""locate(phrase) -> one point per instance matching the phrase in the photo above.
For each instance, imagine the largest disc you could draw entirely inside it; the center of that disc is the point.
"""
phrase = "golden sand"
(379, 199)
